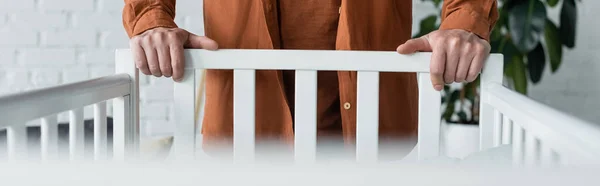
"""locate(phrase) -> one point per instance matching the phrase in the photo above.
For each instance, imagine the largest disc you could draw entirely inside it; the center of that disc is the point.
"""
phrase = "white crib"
(536, 134)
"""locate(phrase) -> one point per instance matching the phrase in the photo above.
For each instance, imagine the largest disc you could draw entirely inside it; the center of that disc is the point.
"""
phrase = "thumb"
(200, 42)
(415, 45)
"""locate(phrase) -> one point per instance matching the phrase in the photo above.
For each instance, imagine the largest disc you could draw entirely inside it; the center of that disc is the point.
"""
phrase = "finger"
(476, 66)
(452, 59)
(164, 59)
(139, 56)
(194, 41)
(153, 64)
(415, 45)
(436, 68)
(177, 62)
(463, 66)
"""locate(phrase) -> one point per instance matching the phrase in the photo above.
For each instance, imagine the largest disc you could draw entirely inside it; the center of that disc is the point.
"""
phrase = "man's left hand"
(457, 55)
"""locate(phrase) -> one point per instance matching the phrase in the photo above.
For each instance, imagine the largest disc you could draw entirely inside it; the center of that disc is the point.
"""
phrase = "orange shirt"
(312, 24)
(379, 25)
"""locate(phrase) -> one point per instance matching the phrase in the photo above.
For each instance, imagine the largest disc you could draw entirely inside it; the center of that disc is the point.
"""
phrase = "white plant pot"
(459, 140)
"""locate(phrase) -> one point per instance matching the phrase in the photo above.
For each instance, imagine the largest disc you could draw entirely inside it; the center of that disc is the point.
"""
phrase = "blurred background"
(551, 48)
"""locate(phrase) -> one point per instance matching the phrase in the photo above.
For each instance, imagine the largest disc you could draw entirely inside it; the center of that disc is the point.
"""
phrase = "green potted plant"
(526, 37)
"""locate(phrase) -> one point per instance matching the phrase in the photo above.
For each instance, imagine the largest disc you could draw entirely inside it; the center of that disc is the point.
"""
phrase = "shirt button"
(347, 106)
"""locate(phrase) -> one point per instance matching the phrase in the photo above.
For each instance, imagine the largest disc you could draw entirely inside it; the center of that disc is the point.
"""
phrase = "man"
(458, 49)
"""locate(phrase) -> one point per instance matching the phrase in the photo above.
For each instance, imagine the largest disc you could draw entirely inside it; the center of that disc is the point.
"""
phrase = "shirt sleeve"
(475, 16)
(142, 15)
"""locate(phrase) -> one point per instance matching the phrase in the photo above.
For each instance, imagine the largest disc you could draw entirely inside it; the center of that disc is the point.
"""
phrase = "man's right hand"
(159, 51)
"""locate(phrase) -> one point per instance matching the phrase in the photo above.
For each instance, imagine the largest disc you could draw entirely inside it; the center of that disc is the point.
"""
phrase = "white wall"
(49, 42)
(574, 88)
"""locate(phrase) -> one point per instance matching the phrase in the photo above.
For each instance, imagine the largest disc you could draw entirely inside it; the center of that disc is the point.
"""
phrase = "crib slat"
(123, 131)
(367, 116)
(305, 142)
(125, 112)
(531, 149)
(489, 75)
(76, 138)
(518, 145)
(49, 138)
(506, 130)
(429, 127)
(243, 115)
(185, 128)
(549, 158)
(486, 124)
(497, 128)
(17, 142)
(200, 102)
(100, 133)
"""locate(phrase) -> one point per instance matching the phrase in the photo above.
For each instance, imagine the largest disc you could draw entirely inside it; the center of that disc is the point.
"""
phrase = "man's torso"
(314, 24)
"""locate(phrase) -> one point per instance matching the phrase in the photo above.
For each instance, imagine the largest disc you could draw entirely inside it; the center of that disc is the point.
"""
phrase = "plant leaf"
(536, 62)
(446, 93)
(553, 45)
(502, 18)
(477, 81)
(427, 25)
(469, 94)
(496, 35)
(509, 50)
(450, 108)
(495, 43)
(448, 112)
(454, 96)
(519, 75)
(508, 68)
(552, 3)
(526, 20)
(568, 23)
(462, 116)
(437, 2)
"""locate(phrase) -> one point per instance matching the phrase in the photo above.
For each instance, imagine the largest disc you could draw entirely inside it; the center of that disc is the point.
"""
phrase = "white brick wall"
(36, 57)
(13, 79)
(18, 38)
(48, 42)
(7, 56)
(67, 5)
(85, 38)
(27, 20)
(100, 20)
(16, 5)
(75, 73)
(114, 39)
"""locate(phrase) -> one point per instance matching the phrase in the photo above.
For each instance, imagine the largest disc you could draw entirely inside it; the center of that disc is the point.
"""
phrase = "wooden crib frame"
(539, 134)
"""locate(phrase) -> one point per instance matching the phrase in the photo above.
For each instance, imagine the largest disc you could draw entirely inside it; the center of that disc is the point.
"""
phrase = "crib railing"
(539, 135)
(18, 109)
(368, 64)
